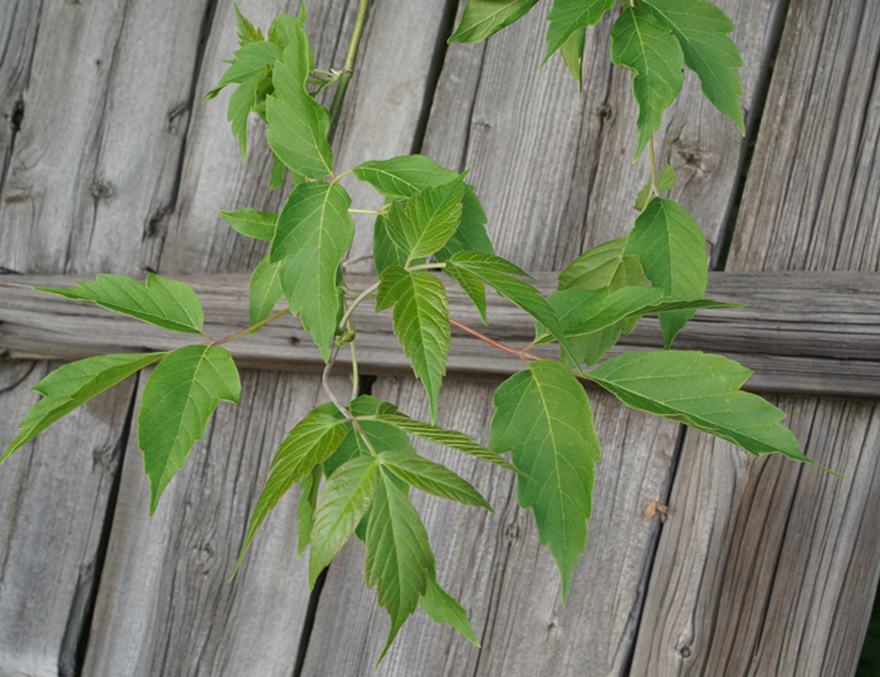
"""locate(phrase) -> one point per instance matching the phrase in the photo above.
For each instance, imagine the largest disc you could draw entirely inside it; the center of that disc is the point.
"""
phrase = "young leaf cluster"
(355, 464)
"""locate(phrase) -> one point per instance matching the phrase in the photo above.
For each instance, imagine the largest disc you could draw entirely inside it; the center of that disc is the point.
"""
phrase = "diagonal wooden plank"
(507, 119)
(782, 560)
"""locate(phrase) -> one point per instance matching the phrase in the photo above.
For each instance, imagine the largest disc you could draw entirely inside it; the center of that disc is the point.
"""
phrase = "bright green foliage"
(543, 417)
(421, 322)
(181, 394)
(427, 220)
(305, 509)
(298, 124)
(382, 436)
(672, 249)
(569, 18)
(404, 176)
(265, 288)
(605, 265)
(471, 233)
(251, 223)
(572, 52)
(449, 438)
(482, 18)
(443, 607)
(310, 442)
(701, 29)
(666, 181)
(166, 303)
(345, 500)
(398, 554)
(702, 391)
(72, 385)
(644, 45)
(246, 31)
(313, 232)
(431, 477)
(385, 250)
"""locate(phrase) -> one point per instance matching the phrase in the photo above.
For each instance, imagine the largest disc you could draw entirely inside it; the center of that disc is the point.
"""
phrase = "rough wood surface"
(766, 567)
(802, 332)
(507, 119)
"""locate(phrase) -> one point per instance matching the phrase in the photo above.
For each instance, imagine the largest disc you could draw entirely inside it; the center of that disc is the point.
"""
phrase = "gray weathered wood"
(767, 567)
(513, 119)
(802, 332)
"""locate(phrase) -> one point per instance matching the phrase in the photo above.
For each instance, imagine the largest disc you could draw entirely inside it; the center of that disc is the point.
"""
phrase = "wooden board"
(806, 332)
(507, 119)
(768, 567)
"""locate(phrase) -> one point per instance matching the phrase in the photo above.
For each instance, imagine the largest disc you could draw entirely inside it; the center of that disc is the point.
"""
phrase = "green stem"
(354, 304)
(249, 329)
(374, 212)
(653, 170)
(426, 266)
(355, 378)
(348, 67)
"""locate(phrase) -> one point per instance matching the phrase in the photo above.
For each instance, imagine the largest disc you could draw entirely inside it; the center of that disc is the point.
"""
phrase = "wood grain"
(767, 567)
(807, 332)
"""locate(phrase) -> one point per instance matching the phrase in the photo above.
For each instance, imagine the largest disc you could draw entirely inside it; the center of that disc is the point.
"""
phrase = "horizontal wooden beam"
(806, 333)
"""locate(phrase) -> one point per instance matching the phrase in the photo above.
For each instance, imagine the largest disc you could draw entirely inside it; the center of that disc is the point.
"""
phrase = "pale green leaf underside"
(178, 399)
(482, 18)
(701, 391)
(672, 250)
(313, 233)
(567, 17)
(431, 478)
(251, 223)
(644, 45)
(305, 509)
(72, 385)
(572, 52)
(166, 303)
(421, 322)
(399, 557)
(543, 417)
(265, 289)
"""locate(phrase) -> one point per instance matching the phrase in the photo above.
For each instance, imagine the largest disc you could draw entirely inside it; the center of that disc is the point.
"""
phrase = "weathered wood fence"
(763, 567)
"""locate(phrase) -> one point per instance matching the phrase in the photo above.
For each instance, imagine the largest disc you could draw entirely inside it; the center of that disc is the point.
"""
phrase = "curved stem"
(354, 304)
(350, 59)
(249, 329)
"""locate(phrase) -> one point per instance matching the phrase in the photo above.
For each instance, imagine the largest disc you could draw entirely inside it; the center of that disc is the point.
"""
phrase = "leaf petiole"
(253, 327)
(426, 266)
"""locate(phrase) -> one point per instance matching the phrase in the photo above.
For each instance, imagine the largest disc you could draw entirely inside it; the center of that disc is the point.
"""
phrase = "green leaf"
(432, 478)
(311, 441)
(472, 286)
(701, 29)
(572, 51)
(544, 417)
(385, 250)
(421, 322)
(251, 223)
(498, 274)
(398, 554)
(666, 181)
(298, 124)
(382, 436)
(444, 608)
(72, 385)
(246, 31)
(569, 18)
(345, 500)
(403, 176)
(313, 233)
(241, 103)
(265, 288)
(449, 438)
(605, 265)
(644, 44)
(166, 303)
(672, 250)
(428, 220)
(471, 233)
(482, 18)
(178, 399)
(305, 509)
(702, 391)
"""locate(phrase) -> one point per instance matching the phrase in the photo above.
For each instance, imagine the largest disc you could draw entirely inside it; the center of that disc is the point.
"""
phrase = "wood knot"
(101, 190)
(511, 531)
(605, 112)
(17, 116)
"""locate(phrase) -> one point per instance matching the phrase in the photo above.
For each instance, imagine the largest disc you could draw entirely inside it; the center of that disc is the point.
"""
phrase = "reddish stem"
(522, 354)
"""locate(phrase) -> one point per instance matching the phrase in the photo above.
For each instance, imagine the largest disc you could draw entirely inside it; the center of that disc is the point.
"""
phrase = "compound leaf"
(178, 399)
(449, 438)
(443, 607)
(482, 18)
(313, 232)
(246, 31)
(305, 509)
(399, 557)
(343, 503)
(432, 478)
(251, 223)
(644, 44)
(672, 250)
(701, 29)
(421, 322)
(166, 303)
(72, 385)
(311, 441)
(428, 219)
(569, 18)
(543, 417)
(265, 288)
(702, 391)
